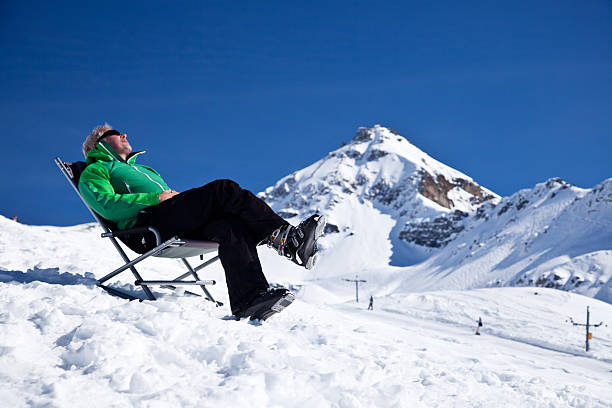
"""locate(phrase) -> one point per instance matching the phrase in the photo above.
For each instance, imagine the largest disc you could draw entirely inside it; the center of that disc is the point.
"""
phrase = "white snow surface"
(64, 342)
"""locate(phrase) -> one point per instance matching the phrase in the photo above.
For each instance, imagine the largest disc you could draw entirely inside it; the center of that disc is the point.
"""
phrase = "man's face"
(119, 143)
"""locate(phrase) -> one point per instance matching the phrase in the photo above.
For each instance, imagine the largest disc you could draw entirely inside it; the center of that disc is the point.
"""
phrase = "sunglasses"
(109, 132)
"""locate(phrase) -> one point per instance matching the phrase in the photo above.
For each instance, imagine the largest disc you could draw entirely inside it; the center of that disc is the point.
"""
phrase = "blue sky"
(510, 93)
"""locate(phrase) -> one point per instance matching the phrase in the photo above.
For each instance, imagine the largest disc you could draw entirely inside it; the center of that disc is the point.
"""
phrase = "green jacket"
(118, 189)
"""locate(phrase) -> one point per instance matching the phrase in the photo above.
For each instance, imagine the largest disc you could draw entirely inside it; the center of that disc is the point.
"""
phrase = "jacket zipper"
(149, 177)
(134, 167)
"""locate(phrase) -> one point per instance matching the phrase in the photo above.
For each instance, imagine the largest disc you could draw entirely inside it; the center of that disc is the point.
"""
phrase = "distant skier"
(371, 305)
(132, 195)
(479, 326)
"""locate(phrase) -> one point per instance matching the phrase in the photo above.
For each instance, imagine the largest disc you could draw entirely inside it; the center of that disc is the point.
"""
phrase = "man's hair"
(93, 137)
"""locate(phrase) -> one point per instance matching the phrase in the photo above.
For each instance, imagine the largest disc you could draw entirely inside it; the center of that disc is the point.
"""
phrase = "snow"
(65, 342)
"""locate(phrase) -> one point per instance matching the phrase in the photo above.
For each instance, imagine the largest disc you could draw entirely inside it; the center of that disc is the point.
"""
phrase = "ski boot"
(266, 304)
(299, 243)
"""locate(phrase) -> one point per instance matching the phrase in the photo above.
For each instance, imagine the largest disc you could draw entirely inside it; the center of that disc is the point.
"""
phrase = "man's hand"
(164, 195)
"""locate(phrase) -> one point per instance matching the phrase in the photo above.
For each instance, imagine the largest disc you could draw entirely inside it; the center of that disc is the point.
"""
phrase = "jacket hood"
(104, 152)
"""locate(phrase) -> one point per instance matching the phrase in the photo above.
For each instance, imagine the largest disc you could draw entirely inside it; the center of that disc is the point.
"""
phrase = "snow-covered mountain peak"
(381, 167)
(387, 180)
(377, 134)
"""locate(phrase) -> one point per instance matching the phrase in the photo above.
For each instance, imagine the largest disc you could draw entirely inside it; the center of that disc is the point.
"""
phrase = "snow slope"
(553, 235)
(66, 343)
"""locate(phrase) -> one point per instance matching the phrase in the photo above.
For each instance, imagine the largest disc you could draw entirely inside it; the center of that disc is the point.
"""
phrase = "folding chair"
(175, 247)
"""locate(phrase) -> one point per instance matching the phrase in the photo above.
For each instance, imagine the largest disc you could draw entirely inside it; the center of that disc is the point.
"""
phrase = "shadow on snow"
(48, 275)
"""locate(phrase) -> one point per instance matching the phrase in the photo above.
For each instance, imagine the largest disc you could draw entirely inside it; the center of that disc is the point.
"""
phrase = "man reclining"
(132, 195)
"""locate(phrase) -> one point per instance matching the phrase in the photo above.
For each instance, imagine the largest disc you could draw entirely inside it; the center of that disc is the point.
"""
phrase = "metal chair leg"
(195, 275)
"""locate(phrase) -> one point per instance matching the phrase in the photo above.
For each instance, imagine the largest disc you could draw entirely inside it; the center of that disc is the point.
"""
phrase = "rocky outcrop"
(386, 193)
(376, 154)
(436, 189)
(363, 135)
(435, 233)
(552, 280)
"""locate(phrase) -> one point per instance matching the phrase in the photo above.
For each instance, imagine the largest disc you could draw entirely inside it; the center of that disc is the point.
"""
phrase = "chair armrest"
(139, 230)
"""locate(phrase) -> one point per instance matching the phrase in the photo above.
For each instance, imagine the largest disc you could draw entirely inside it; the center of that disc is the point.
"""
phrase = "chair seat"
(186, 248)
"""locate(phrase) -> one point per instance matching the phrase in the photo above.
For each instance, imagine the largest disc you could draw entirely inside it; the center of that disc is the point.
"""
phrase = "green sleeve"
(99, 194)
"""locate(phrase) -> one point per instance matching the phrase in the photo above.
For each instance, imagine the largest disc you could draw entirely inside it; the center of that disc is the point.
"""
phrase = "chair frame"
(174, 247)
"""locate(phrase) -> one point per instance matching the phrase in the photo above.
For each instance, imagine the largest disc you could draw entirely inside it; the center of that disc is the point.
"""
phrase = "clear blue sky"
(510, 93)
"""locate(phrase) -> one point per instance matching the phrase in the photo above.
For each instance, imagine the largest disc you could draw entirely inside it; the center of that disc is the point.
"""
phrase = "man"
(132, 195)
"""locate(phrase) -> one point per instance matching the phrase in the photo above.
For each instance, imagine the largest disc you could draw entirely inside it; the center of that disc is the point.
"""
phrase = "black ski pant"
(223, 212)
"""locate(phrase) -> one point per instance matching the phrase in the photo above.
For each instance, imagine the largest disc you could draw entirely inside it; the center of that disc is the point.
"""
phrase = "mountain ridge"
(384, 168)
(436, 218)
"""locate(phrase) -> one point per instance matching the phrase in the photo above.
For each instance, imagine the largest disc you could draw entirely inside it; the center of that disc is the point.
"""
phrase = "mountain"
(393, 209)
(554, 235)
(380, 171)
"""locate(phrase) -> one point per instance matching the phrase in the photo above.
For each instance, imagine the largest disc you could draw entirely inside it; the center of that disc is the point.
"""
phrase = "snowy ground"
(66, 343)
(72, 344)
